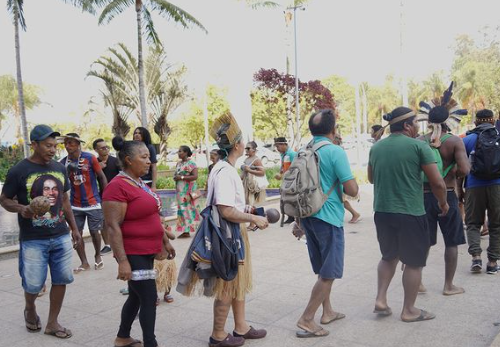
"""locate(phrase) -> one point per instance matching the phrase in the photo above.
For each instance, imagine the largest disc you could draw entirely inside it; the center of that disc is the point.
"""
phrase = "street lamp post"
(297, 106)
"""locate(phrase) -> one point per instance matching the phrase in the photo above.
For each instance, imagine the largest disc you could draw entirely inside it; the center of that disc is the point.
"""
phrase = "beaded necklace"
(144, 187)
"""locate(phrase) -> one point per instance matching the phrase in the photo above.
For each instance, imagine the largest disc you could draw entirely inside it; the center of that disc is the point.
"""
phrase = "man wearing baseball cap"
(287, 156)
(84, 173)
(44, 238)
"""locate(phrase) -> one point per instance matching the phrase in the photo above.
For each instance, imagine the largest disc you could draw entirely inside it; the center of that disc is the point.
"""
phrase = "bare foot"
(422, 289)
(355, 218)
(453, 290)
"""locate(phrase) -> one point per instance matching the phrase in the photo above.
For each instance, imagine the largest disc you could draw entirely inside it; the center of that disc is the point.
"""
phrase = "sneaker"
(105, 249)
(492, 270)
(477, 265)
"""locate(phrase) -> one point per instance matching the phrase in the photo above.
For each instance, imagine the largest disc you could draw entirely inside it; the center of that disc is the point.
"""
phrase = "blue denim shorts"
(35, 255)
(325, 243)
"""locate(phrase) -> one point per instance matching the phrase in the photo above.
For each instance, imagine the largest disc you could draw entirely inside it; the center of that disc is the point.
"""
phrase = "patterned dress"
(188, 215)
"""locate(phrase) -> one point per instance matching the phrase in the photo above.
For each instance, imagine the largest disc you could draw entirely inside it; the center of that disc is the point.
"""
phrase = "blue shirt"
(291, 156)
(472, 181)
(334, 167)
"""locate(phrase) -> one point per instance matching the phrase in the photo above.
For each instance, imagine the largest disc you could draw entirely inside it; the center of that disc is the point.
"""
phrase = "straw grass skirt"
(235, 289)
(166, 277)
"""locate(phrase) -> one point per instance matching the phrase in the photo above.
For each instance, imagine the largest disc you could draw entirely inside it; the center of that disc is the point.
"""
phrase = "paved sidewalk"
(282, 279)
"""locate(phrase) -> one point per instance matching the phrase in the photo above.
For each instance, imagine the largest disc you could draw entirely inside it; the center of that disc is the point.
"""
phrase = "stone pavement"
(282, 283)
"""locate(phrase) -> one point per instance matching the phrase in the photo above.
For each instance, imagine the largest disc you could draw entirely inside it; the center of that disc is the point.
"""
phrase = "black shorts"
(403, 236)
(451, 225)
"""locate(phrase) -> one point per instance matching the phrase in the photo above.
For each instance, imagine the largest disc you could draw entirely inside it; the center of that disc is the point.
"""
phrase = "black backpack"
(485, 158)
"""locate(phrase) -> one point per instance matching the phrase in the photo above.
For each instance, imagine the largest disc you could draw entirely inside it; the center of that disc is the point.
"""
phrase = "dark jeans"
(142, 295)
(478, 200)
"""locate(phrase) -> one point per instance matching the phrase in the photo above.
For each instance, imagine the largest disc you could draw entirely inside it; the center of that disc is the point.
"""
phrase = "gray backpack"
(301, 192)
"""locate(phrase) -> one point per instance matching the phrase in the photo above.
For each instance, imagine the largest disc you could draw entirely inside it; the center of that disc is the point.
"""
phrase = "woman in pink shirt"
(131, 210)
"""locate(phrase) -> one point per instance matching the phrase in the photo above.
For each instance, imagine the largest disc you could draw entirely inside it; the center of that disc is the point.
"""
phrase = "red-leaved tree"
(274, 103)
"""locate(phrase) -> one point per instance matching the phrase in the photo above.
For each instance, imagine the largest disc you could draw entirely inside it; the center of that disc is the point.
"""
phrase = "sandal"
(60, 334)
(30, 326)
(79, 269)
(168, 298)
(99, 266)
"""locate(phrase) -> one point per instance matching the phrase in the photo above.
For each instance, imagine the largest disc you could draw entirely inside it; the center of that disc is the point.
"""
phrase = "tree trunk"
(142, 94)
(365, 109)
(22, 109)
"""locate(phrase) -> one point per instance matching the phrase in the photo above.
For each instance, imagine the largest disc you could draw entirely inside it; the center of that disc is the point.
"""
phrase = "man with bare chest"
(455, 164)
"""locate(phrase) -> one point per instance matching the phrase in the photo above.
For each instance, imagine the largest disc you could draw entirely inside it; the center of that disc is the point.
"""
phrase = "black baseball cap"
(73, 136)
(41, 131)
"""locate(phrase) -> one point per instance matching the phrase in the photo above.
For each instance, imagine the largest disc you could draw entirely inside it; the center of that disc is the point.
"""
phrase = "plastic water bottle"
(142, 275)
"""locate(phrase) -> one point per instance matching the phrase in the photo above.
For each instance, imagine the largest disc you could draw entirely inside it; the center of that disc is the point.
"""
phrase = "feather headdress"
(225, 131)
(441, 110)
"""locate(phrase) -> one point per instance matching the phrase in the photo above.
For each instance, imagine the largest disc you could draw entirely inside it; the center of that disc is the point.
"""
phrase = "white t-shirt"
(226, 184)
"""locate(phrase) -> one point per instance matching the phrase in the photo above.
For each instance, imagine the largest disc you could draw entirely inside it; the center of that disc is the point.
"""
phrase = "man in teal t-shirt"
(324, 230)
(287, 157)
(395, 168)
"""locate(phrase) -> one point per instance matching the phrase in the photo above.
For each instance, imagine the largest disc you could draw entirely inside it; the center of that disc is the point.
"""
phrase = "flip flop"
(168, 298)
(60, 334)
(131, 344)
(424, 315)
(99, 266)
(79, 269)
(32, 327)
(304, 334)
(383, 312)
(356, 221)
(338, 316)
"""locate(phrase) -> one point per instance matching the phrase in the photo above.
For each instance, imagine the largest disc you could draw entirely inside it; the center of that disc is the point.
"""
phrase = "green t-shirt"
(334, 167)
(396, 163)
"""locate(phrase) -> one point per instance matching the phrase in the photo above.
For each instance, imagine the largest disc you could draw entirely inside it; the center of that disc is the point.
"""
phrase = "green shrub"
(9, 156)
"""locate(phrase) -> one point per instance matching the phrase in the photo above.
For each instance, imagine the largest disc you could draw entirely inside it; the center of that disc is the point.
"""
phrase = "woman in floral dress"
(186, 174)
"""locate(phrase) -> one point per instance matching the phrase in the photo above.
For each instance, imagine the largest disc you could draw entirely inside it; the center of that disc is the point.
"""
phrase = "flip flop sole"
(309, 334)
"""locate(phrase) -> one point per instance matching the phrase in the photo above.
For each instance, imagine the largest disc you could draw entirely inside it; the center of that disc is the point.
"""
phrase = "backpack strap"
(317, 146)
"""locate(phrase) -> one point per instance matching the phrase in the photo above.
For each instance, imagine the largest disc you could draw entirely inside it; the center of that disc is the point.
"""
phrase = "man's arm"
(103, 181)
(70, 219)
(370, 174)
(438, 186)
(154, 175)
(351, 187)
(463, 164)
(13, 206)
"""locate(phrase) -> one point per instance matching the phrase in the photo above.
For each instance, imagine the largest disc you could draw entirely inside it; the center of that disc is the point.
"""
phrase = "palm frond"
(85, 5)
(152, 36)
(114, 8)
(255, 5)
(170, 11)
(16, 8)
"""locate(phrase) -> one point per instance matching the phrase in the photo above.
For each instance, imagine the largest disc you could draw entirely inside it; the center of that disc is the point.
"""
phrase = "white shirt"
(226, 184)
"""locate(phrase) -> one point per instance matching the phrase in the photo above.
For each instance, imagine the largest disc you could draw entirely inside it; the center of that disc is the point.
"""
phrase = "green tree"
(16, 9)
(144, 8)
(9, 99)
(190, 128)
(164, 87)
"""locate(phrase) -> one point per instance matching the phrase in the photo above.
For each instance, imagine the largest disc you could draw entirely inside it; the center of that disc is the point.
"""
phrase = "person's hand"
(277, 176)
(177, 178)
(461, 195)
(444, 209)
(102, 164)
(77, 238)
(297, 231)
(26, 212)
(124, 271)
(162, 255)
(170, 250)
(260, 222)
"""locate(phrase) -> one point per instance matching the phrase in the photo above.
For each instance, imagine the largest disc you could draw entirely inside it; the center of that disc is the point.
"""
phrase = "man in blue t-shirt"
(324, 230)
(481, 196)
(287, 157)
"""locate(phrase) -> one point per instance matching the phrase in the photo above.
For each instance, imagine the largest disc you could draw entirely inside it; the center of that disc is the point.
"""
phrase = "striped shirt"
(82, 174)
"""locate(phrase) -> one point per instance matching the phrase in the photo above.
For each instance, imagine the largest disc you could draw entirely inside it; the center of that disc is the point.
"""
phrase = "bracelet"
(182, 178)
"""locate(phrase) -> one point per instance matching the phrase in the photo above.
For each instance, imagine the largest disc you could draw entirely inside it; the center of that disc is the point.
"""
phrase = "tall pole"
(297, 106)
(404, 86)
(205, 119)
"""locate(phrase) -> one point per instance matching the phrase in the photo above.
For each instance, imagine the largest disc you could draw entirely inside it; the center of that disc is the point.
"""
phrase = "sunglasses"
(248, 148)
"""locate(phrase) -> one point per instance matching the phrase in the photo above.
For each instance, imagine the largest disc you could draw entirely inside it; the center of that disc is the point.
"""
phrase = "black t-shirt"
(152, 157)
(112, 168)
(27, 180)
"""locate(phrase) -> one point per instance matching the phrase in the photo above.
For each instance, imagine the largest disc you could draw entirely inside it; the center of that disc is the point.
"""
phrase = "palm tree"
(164, 88)
(143, 8)
(16, 9)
